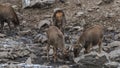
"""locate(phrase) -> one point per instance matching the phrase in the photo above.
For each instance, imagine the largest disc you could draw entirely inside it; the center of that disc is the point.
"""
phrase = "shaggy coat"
(90, 37)
(59, 20)
(7, 14)
(56, 39)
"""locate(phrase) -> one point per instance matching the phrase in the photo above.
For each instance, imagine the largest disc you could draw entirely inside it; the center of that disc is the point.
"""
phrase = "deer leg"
(55, 54)
(100, 46)
(2, 25)
(86, 50)
(9, 25)
(91, 47)
(48, 47)
(16, 25)
(63, 30)
(87, 47)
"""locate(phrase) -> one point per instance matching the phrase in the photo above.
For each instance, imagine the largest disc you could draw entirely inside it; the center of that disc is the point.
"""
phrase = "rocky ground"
(27, 48)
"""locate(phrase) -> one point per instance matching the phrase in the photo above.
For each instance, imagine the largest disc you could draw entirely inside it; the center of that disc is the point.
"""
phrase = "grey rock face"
(42, 23)
(36, 3)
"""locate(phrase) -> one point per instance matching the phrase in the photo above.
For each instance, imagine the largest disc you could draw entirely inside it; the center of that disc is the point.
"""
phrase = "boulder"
(64, 66)
(43, 23)
(93, 60)
(36, 3)
(79, 14)
(117, 36)
(40, 38)
(112, 65)
(114, 55)
(114, 44)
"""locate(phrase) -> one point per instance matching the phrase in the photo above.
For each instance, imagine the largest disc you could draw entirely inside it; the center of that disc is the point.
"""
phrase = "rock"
(79, 4)
(79, 14)
(24, 53)
(101, 2)
(83, 22)
(7, 42)
(26, 32)
(40, 38)
(114, 54)
(23, 65)
(67, 28)
(2, 35)
(118, 1)
(3, 54)
(62, 1)
(28, 61)
(12, 66)
(109, 38)
(37, 3)
(47, 16)
(4, 60)
(42, 23)
(33, 55)
(110, 29)
(110, 15)
(90, 10)
(107, 1)
(56, 9)
(112, 65)
(44, 57)
(118, 20)
(67, 39)
(92, 60)
(50, 51)
(64, 66)
(24, 22)
(19, 51)
(93, 8)
(76, 60)
(78, 28)
(114, 44)
(117, 37)
(117, 31)
(3, 66)
(24, 40)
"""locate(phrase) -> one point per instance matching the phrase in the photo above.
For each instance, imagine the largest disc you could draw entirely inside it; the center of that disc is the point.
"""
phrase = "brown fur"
(56, 39)
(90, 37)
(7, 14)
(59, 19)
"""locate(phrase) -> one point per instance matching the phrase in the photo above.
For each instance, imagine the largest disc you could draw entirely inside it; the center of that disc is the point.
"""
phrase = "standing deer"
(59, 19)
(7, 14)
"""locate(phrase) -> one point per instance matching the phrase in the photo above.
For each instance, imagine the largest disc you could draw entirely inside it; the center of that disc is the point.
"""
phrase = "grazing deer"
(7, 14)
(56, 39)
(90, 37)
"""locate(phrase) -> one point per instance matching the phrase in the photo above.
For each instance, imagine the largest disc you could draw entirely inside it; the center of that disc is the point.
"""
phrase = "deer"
(90, 37)
(59, 19)
(56, 40)
(7, 14)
